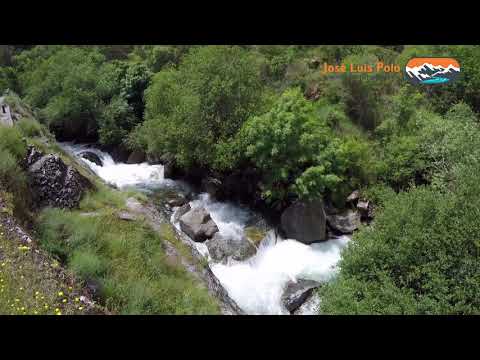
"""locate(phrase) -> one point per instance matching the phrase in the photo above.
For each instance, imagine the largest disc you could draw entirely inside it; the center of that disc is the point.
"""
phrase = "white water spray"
(256, 284)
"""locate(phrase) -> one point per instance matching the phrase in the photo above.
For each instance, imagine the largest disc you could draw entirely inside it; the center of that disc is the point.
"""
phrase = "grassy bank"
(124, 259)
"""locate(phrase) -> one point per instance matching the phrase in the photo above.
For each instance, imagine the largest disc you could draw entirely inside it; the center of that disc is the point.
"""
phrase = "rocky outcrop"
(53, 183)
(120, 153)
(353, 197)
(296, 293)
(222, 249)
(198, 225)
(92, 157)
(366, 209)
(136, 157)
(305, 221)
(345, 223)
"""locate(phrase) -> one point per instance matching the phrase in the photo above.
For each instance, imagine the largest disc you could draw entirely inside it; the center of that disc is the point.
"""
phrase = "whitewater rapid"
(256, 284)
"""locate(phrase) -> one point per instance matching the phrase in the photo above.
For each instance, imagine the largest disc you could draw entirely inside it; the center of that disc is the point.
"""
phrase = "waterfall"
(256, 284)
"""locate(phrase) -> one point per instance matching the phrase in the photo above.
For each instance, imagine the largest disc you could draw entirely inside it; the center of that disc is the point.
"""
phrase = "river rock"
(198, 224)
(364, 208)
(182, 211)
(90, 156)
(53, 183)
(177, 201)
(296, 293)
(223, 248)
(136, 157)
(346, 222)
(212, 186)
(120, 153)
(305, 221)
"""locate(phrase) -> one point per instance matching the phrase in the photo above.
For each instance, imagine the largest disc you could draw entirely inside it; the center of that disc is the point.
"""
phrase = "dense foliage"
(270, 109)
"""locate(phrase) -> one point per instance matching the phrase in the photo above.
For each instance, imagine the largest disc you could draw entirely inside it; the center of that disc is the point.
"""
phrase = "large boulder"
(345, 223)
(223, 248)
(296, 293)
(53, 183)
(198, 224)
(136, 157)
(92, 157)
(305, 221)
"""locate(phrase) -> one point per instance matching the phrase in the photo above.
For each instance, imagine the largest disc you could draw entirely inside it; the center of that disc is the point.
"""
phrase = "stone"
(92, 157)
(296, 293)
(212, 186)
(305, 221)
(136, 157)
(198, 225)
(181, 211)
(53, 183)
(177, 201)
(354, 196)
(363, 207)
(127, 216)
(346, 222)
(222, 249)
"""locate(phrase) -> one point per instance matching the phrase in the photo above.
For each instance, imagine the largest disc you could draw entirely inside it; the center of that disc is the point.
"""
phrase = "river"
(257, 283)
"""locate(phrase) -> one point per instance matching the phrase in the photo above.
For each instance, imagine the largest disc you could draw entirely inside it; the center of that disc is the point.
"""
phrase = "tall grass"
(125, 258)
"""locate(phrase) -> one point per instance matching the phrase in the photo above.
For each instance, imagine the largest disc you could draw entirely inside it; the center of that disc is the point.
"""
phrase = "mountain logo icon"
(430, 71)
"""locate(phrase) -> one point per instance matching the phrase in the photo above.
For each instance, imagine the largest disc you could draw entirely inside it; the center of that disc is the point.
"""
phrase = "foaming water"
(119, 174)
(257, 284)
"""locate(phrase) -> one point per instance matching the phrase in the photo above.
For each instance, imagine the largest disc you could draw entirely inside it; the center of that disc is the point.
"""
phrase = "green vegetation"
(125, 258)
(225, 109)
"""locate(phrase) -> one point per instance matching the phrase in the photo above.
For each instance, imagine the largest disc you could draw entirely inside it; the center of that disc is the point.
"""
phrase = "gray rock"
(177, 201)
(365, 209)
(212, 186)
(53, 183)
(127, 216)
(90, 156)
(198, 224)
(354, 196)
(295, 294)
(136, 157)
(222, 249)
(182, 211)
(346, 222)
(305, 221)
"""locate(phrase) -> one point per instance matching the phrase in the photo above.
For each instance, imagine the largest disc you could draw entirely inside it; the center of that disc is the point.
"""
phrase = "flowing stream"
(255, 284)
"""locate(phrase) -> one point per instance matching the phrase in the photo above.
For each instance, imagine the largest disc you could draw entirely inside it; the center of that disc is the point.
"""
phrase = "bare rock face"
(222, 249)
(136, 157)
(346, 222)
(305, 221)
(182, 211)
(198, 225)
(53, 183)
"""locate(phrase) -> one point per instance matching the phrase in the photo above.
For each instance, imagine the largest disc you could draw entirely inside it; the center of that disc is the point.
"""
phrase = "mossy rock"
(255, 234)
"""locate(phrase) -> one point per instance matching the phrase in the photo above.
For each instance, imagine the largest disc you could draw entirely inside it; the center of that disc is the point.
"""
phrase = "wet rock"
(136, 157)
(222, 249)
(198, 225)
(182, 211)
(92, 157)
(353, 197)
(212, 186)
(120, 153)
(177, 201)
(296, 293)
(305, 221)
(345, 223)
(53, 183)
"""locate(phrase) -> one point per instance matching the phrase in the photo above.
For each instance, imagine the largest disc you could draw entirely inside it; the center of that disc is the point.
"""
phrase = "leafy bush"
(30, 127)
(420, 257)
